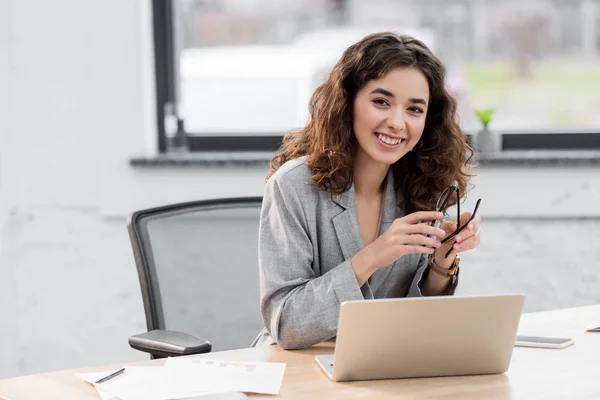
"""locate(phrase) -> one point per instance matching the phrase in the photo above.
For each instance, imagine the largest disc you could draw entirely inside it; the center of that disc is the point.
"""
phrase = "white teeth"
(388, 140)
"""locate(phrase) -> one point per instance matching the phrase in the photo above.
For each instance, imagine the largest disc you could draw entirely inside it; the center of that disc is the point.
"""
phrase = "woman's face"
(389, 115)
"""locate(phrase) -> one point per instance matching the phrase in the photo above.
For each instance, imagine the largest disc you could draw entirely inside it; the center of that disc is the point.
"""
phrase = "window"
(236, 75)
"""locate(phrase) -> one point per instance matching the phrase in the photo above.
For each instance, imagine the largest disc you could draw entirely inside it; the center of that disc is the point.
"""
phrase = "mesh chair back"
(197, 265)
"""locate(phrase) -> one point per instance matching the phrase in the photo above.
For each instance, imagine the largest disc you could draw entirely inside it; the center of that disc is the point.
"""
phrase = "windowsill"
(262, 158)
(540, 157)
(206, 159)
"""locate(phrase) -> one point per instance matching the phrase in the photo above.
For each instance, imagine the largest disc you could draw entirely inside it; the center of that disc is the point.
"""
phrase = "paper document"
(188, 375)
(136, 383)
(93, 377)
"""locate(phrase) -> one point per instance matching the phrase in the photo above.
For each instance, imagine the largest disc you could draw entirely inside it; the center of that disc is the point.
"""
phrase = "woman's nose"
(397, 121)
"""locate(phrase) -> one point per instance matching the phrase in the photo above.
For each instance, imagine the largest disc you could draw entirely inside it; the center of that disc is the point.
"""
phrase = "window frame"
(167, 92)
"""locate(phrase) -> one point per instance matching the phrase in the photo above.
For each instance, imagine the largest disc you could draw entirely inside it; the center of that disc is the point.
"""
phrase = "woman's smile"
(389, 142)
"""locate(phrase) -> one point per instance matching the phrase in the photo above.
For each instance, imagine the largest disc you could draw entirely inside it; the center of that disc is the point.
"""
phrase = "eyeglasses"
(441, 205)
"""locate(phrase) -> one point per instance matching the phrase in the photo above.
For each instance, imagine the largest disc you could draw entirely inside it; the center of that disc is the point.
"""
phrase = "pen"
(119, 372)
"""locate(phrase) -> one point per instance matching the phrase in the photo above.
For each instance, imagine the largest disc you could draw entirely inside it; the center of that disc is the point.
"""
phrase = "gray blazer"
(306, 240)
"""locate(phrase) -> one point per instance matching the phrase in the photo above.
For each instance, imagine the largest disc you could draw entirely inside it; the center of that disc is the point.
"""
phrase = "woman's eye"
(381, 102)
(416, 109)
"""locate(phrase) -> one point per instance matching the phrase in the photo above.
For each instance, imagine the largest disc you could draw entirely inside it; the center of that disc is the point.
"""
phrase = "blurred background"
(534, 61)
(107, 107)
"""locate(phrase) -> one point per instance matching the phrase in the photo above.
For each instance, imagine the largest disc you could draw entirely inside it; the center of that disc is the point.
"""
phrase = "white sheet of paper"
(93, 377)
(188, 375)
(138, 383)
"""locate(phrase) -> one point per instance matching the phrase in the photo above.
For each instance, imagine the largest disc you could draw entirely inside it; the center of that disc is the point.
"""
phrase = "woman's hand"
(467, 239)
(407, 235)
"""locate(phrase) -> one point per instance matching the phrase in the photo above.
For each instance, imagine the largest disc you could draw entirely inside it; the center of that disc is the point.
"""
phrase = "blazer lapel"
(392, 208)
(346, 224)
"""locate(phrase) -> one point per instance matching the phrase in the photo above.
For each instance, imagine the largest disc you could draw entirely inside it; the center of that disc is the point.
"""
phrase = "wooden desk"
(570, 373)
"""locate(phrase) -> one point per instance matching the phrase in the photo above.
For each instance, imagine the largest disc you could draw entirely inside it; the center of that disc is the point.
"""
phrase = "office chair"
(197, 264)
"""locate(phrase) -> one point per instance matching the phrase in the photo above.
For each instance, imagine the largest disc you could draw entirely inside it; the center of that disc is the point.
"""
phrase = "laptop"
(424, 337)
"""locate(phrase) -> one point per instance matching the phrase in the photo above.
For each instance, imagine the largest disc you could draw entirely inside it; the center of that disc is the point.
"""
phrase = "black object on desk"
(116, 373)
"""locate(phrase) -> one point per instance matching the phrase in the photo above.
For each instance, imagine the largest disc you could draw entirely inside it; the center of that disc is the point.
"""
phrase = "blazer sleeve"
(299, 309)
(421, 274)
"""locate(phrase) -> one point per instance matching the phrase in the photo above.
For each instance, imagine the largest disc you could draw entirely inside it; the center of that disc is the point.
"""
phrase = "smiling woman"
(388, 125)
(350, 197)
(385, 84)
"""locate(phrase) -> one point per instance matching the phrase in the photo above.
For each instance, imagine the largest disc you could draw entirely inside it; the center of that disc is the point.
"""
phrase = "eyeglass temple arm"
(460, 228)
(450, 193)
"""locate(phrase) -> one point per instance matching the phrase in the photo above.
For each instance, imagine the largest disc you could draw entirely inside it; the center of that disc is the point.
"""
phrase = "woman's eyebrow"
(383, 92)
(418, 101)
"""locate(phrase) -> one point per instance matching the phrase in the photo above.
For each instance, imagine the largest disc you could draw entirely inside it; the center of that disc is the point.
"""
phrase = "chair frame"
(146, 273)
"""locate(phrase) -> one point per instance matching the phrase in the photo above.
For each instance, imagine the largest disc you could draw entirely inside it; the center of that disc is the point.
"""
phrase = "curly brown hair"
(441, 158)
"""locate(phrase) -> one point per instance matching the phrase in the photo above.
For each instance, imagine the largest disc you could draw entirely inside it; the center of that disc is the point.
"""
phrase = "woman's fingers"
(419, 216)
(476, 220)
(464, 243)
(448, 226)
(425, 229)
(416, 235)
(464, 218)
(418, 250)
(421, 240)
(452, 226)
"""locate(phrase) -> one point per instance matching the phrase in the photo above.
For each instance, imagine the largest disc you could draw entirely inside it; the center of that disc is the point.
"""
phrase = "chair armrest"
(169, 343)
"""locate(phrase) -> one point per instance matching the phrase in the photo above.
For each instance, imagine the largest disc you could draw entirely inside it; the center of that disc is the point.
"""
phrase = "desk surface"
(572, 373)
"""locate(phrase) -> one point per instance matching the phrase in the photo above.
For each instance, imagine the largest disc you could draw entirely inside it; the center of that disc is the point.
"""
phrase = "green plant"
(485, 116)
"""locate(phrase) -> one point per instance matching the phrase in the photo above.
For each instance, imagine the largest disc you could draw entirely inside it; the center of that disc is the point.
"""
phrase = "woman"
(347, 210)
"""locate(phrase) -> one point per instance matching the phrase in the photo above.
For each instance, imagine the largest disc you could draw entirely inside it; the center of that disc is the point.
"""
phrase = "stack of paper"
(93, 377)
(187, 377)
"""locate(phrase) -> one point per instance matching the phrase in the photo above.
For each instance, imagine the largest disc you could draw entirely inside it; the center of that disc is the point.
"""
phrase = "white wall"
(8, 294)
(76, 102)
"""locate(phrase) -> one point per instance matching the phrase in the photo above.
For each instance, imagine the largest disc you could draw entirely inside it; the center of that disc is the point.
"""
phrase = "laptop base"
(325, 361)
